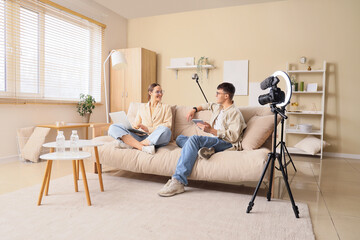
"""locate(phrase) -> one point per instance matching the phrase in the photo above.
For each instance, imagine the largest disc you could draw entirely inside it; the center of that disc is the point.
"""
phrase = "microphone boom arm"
(196, 78)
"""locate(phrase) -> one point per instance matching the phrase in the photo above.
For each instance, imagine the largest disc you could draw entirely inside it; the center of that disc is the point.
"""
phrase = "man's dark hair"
(228, 88)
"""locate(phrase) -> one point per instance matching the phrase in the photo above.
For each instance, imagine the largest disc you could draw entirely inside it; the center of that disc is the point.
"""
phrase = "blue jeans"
(161, 136)
(189, 152)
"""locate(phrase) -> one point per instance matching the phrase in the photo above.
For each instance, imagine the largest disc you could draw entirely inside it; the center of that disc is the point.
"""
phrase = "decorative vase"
(296, 88)
(301, 86)
(86, 118)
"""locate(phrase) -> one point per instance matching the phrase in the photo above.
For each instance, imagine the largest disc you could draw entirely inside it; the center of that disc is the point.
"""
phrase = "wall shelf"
(295, 150)
(294, 131)
(306, 71)
(189, 67)
(304, 92)
(305, 112)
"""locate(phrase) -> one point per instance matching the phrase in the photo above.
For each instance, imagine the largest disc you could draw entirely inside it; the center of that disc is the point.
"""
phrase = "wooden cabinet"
(131, 83)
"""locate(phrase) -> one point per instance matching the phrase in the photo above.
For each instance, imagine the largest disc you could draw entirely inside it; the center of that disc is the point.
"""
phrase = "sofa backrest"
(181, 126)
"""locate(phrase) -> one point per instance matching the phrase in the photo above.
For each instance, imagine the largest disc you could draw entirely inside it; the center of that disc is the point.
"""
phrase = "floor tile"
(347, 227)
(342, 204)
(324, 228)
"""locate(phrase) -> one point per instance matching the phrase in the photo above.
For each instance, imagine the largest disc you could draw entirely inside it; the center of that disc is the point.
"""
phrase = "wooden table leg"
(77, 170)
(86, 133)
(99, 168)
(46, 176)
(75, 175)
(85, 182)
(48, 180)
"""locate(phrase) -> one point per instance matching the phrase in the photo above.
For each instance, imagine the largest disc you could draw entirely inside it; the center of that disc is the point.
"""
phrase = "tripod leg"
(251, 203)
(290, 157)
(268, 196)
(295, 208)
(284, 157)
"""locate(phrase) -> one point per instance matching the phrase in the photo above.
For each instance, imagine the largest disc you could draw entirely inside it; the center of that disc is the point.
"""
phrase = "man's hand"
(143, 127)
(206, 127)
(190, 115)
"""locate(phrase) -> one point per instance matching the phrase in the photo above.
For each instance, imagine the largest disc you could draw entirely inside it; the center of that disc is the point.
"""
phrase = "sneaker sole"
(206, 152)
(171, 194)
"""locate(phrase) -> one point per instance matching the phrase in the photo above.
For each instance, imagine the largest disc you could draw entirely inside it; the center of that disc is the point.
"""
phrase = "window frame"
(12, 61)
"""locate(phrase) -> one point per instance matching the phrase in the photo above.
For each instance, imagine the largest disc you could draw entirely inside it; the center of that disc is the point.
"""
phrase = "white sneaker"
(149, 149)
(122, 145)
(172, 187)
(205, 152)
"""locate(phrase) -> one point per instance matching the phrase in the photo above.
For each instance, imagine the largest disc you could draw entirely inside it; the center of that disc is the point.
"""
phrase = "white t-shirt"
(218, 122)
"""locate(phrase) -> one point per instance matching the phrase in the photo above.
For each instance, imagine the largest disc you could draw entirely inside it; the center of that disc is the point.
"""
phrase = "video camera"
(275, 95)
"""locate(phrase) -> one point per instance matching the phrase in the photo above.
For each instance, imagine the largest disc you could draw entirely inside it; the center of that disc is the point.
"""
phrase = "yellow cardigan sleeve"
(167, 120)
(138, 120)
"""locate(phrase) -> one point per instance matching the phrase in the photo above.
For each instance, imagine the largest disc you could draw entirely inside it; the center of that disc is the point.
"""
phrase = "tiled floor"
(330, 188)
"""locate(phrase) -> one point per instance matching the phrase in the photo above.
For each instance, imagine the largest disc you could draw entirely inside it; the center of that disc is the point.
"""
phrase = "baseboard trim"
(342, 155)
(12, 158)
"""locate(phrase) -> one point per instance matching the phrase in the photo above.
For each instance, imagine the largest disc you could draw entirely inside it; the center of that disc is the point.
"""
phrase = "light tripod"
(271, 159)
(283, 148)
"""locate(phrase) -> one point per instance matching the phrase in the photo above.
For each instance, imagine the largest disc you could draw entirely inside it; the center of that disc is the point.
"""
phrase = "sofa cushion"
(183, 127)
(227, 166)
(249, 112)
(258, 129)
(32, 148)
(310, 144)
(23, 135)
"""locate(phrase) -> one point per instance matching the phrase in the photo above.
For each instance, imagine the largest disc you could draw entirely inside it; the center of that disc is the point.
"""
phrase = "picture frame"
(311, 87)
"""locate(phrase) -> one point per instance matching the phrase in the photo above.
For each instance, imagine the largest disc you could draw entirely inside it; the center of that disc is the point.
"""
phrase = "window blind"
(47, 53)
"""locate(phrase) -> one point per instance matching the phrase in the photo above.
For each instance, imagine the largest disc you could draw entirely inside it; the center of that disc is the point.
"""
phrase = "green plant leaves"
(86, 104)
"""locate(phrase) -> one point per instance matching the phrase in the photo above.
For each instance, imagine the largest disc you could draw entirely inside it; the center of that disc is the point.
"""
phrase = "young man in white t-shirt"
(226, 125)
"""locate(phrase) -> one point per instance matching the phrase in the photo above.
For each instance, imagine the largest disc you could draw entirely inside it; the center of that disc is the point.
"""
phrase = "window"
(47, 53)
(2, 47)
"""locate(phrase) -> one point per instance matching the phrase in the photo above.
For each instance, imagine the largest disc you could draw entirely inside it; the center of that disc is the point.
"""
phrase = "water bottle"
(74, 141)
(60, 142)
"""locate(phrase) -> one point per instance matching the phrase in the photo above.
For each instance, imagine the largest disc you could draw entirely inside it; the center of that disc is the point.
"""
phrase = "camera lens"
(265, 99)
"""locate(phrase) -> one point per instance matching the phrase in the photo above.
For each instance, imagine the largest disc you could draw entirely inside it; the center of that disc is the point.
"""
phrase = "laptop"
(121, 118)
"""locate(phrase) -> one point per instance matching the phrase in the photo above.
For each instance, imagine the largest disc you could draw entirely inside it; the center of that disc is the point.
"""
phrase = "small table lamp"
(118, 62)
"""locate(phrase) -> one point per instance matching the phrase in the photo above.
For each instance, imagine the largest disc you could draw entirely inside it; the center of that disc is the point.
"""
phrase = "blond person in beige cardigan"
(153, 118)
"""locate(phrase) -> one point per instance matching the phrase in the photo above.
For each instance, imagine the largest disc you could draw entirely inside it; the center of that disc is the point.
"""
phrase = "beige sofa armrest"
(98, 129)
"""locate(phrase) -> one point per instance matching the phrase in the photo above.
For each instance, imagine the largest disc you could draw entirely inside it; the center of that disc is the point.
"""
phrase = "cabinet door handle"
(126, 94)
(122, 94)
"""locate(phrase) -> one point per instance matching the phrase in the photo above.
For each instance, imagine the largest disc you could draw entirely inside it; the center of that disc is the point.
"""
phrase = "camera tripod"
(283, 148)
(272, 156)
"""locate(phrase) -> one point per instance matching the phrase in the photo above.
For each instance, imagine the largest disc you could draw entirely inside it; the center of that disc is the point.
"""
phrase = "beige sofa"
(227, 166)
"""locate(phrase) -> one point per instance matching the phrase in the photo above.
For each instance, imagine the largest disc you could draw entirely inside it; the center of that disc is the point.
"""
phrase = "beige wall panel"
(269, 35)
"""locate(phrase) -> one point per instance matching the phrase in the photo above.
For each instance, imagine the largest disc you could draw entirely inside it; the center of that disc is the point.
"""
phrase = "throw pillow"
(32, 148)
(310, 144)
(258, 129)
(23, 135)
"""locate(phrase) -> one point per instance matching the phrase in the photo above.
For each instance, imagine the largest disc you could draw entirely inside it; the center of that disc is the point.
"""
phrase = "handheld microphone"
(195, 76)
(268, 82)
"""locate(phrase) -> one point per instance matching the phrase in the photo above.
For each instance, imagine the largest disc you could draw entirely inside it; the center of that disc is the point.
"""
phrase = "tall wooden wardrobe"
(131, 83)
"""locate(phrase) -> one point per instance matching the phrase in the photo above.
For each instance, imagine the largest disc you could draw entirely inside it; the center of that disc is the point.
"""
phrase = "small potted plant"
(202, 61)
(85, 106)
(294, 83)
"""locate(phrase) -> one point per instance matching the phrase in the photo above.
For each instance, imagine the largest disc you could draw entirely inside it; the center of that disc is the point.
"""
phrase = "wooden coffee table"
(65, 156)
